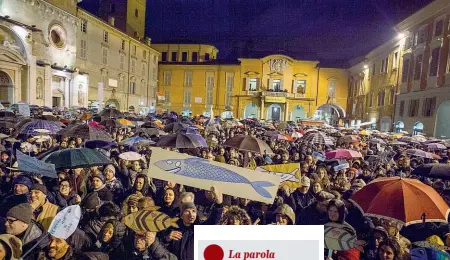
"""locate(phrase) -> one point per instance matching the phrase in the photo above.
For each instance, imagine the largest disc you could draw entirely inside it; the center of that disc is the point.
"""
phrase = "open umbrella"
(6, 124)
(398, 143)
(343, 154)
(436, 146)
(175, 127)
(99, 144)
(281, 137)
(110, 112)
(33, 165)
(7, 114)
(30, 127)
(377, 141)
(76, 158)
(136, 139)
(130, 156)
(408, 201)
(296, 135)
(110, 123)
(125, 123)
(87, 132)
(318, 138)
(350, 139)
(433, 170)
(181, 140)
(420, 153)
(248, 143)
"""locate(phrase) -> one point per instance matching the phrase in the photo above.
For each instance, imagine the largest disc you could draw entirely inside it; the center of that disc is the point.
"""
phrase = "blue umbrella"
(31, 164)
(73, 158)
(136, 139)
(30, 127)
(180, 140)
(99, 144)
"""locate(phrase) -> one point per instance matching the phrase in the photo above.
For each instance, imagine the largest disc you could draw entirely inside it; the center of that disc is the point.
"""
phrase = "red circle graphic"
(213, 252)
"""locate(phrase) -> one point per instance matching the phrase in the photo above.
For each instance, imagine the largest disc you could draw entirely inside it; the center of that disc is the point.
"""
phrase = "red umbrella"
(405, 200)
(343, 153)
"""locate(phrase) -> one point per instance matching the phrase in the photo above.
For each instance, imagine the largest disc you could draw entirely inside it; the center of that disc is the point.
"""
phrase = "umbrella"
(436, 146)
(136, 139)
(397, 143)
(433, 170)
(318, 138)
(125, 123)
(343, 153)
(151, 131)
(282, 137)
(419, 138)
(76, 158)
(364, 132)
(6, 124)
(31, 164)
(175, 127)
(110, 123)
(85, 116)
(7, 114)
(181, 140)
(130, 156)
(110, 112)
(30, 127)
(99, 144)
(249, 143)
(406, 200)
(377, 141)
(350, 139)
(48, 117)
(87, 132)
(296, 135)
(420, 153)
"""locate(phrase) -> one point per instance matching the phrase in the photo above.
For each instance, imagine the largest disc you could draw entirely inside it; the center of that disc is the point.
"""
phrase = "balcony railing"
(274, 94)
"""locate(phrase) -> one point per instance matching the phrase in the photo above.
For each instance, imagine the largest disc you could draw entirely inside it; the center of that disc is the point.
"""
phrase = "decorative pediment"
(11, 56)
(251, 73)
(301, 75)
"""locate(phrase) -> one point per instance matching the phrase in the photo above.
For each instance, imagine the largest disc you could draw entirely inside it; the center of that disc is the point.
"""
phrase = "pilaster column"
(262, 111)
(286, 111)
(48, 86)
(67, 93)
(32, 81)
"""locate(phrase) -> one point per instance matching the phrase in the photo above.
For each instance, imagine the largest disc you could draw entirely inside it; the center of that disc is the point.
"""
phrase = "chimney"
(112, 20)
(148, 41)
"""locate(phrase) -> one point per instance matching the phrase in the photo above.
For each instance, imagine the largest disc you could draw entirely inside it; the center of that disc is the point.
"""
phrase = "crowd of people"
(108, 193)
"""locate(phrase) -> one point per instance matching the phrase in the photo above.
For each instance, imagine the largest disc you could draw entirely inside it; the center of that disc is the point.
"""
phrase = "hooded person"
(19, 222)
(10, 247)
(147, 246)
(168, 203)
(284, 215)
(94, 225)
(112, 183)
(109, 240)
(98, 184)
(142, 185)
(235, 216)
(379, 234)
(44, 211)
(302, 201)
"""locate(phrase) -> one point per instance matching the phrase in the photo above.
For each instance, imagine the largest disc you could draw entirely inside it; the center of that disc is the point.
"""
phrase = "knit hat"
(109, 209)
(12, 244)
(110, 167)
(305, 181)
(187, 205)
(286, 210)
(22, 179)
(22, 212)
(91, 201)
(39, 187)
(99, 176)
(358, 184)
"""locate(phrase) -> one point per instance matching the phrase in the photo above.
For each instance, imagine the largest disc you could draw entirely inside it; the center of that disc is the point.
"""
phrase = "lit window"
(105, 36)
(253, 85)
(83, 25)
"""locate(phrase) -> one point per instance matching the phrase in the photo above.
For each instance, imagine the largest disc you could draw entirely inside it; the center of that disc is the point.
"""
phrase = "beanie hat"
(99, 176)
(22, 212)
(109, 209)
(187, 205)
(22, 179)
(305, 181)
(39, 187)
(110, 167)
(13, 246)
(358, 184)
(91, 201)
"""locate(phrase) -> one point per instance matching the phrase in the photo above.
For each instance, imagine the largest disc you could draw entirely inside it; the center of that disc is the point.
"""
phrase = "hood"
(235, 211)
(285, 209)
(146, 184)
(119, 230)
(13, 243)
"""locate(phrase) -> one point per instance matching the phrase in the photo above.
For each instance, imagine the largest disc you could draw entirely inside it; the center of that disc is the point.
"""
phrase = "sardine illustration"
(284, 176)
(201, 169)
(146, 220)
(429, 244)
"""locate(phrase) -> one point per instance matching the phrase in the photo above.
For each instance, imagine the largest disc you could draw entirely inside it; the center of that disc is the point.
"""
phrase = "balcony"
(274, 94)
(253, 93)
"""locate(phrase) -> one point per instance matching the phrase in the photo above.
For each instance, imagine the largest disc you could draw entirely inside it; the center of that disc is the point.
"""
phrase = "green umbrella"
(73, 158)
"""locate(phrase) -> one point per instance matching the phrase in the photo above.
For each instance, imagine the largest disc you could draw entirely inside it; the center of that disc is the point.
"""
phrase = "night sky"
(327, 30)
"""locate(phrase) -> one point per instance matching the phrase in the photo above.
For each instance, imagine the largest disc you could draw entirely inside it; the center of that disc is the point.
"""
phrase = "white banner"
(203, 174)
(65, 222)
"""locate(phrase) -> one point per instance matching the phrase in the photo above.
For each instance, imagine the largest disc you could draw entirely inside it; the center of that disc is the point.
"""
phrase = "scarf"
(101, 187)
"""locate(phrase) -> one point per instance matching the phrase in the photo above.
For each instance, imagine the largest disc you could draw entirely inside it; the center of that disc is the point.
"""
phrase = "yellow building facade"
(275, 87)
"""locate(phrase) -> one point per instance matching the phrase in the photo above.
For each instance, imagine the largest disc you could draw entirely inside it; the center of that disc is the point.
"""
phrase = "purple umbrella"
(436, 146)
(30, 127)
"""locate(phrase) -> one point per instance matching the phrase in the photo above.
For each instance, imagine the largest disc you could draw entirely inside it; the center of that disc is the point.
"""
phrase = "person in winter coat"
(142, 185)
(113, 184)
(10, 247)
(168, 203)
(59, 249)
(284, 215)
(110, 237)
(94, 225)
(65, 195)
(44, 211)
(98, 185)
(20, 224)
(379, 235)
(148, 247)
(235, 216)
(20, 193)
(302, 201)
(389, 250)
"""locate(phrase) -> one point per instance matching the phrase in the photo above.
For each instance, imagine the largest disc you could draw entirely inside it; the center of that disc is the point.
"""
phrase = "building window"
(134, 50)
(136, 13)
(332, 88)
(194, 56)
(209, 90)
(105, 36)
(276, 85)
(155, 73)
(373, 69)
(300, 86)
(405, 70)
(229, 89)
(122, 46)
(83, 49)
(167, 78)
(434, 63)
(122, 61)
(184, 56)
(422, 34)
(83, 25)
(370, 99)
(381, 96)
(418, 67)
(155, 59)
(439, 28)
(174, 56)
(132, 87)
(167, 96)
(401, 111)
(253, 85)
(187, 97)
(39, 88)
(384, 65)
(164, 56)
(144, 69)
(392, 96)
(206, 56)
(395, 60)
(105, 56)
(133, 65)
(144, 54)
(429, 106)
(413, 109)
(188, 78)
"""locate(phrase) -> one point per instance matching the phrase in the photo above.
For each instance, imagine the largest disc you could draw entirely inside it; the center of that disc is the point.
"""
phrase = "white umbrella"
(130, 156)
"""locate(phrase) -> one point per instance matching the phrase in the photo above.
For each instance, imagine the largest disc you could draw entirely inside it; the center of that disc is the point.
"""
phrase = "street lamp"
(400, 36)
(366, 66)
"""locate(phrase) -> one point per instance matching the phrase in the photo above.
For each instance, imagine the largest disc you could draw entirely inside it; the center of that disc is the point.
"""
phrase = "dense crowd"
(30, 201)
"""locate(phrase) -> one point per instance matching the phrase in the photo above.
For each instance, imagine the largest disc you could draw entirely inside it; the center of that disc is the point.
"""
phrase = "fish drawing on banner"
(289, 173)
(284, 176)
(149, 221)
(199, 168)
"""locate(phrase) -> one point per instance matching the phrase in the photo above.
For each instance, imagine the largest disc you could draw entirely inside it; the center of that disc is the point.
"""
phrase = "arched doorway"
(251, 111)
(443, 120)
(6, 87)
(330, 113)
(112, 103)
(385, 124)
(274, 112)
(418, 128)
(298, 112)
(399, 126)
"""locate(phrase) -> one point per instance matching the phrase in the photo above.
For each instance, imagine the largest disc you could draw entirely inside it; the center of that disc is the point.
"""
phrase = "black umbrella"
(433, 170)
(7, 114)
(110, 123)
(110, 112)
(76, 158)
(100, 144)
(175, 127)
(6, 124)
(87, 132)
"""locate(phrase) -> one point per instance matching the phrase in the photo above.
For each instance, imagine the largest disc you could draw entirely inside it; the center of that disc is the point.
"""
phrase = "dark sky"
(312, 29)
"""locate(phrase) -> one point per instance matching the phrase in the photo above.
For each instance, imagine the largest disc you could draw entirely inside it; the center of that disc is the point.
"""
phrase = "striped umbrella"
(318, 138)
(30, 127)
